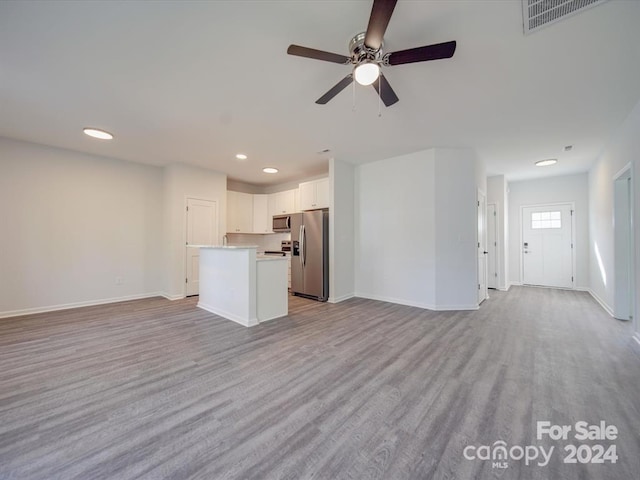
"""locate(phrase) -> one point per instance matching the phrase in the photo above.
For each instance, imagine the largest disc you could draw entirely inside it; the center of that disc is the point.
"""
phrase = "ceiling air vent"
(539, 13)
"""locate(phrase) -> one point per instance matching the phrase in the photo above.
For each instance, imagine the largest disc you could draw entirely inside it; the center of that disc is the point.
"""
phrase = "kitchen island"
(238, 285)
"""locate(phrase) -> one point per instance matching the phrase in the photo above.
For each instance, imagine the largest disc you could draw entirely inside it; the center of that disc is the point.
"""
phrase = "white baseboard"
(168, 296)
(449, 308)
(229, 316)
(636, 337)
(67, 306)
(399, 301)
(341, 298)
(409, 303)
(602, 303)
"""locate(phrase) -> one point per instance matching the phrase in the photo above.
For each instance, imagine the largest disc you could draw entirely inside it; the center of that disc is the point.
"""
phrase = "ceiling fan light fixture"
(270, 170)
(366, 73)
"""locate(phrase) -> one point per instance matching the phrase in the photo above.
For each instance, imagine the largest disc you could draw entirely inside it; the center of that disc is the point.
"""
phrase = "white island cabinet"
(237, 285)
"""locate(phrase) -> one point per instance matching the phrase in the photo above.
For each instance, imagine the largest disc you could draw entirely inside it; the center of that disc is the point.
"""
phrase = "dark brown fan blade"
(338, 87)
(422, 54)
(387, 94)
(378, 21)
(317, 54)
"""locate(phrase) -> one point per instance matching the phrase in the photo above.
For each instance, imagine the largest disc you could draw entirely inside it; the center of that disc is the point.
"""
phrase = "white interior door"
(492, 247)
(202, 229)
(482, 248)
(547, 256)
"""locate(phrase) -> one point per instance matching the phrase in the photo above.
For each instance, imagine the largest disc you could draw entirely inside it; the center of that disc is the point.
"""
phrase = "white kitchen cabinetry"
(314, 194)
(239, 212)
(261, 219)
(282, 202)
(247, 213)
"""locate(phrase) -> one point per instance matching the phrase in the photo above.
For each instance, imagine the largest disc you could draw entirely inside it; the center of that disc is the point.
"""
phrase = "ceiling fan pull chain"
(353, 108)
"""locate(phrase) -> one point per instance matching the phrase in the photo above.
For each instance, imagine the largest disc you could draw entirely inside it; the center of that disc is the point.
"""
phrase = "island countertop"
(259, 256)
(226, 247)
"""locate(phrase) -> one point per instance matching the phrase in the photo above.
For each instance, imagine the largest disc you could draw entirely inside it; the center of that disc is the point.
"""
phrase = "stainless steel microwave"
(281, 223)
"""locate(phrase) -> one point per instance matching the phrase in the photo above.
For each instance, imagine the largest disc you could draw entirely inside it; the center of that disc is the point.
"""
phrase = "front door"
(202, 229)
(547, 256)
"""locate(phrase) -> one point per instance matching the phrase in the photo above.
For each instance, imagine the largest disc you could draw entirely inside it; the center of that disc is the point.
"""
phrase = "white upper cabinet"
(261, 219)
(247, 213)
(239, 212)
(314, 194)
(322, 193)
(282, 202)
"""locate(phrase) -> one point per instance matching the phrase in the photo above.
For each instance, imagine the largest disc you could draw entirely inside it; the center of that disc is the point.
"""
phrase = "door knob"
(485, 252)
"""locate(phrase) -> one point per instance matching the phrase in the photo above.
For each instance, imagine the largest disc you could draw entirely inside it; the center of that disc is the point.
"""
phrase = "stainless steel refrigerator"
(310, 254)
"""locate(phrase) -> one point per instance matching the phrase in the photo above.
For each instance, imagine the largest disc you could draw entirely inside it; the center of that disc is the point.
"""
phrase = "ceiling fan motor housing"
(360, 53)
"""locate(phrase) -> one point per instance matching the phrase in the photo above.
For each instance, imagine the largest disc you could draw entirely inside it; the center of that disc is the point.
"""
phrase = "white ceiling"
(198, 82)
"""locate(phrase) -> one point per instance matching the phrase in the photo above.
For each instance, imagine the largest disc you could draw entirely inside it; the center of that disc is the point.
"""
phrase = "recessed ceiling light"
(270, 170)
(97, 133)
(241, 156)
(546, 163)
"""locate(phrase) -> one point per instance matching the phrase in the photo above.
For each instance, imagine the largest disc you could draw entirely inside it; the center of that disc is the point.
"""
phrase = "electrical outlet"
(119, 281)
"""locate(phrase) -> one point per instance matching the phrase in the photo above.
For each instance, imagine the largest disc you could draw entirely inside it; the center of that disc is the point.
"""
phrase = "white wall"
(416, 229)
(72, 223)
(497, 194)
(394, 234)
(622, 149)
(341, 230)
(561, 189)
(180, 182)
(237, 186)
(458, 177)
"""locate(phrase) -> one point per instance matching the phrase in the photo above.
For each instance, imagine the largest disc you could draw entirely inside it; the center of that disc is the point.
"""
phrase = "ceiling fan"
(367, 55)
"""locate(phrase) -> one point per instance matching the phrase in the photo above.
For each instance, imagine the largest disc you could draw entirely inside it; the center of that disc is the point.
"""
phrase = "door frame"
(627, 171)
(482, 294)
(184, 232)
(572, 206)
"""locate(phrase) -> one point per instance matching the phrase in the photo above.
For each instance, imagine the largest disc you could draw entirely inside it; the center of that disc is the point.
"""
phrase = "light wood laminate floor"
(155, 389)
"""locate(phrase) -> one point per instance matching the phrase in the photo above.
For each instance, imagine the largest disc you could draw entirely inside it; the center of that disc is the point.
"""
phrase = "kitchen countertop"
(226, 247)
(259, 256)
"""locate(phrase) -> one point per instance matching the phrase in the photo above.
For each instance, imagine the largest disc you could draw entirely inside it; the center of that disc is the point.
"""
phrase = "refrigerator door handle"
(301, 236)
(304, 252)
